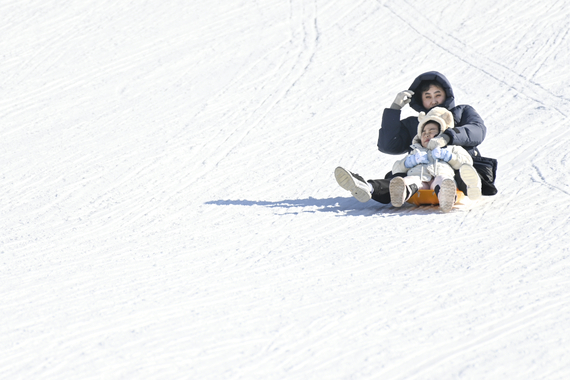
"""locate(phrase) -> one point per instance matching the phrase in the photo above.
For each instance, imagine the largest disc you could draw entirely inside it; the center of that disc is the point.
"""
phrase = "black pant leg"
(381, 190)
(460, 184)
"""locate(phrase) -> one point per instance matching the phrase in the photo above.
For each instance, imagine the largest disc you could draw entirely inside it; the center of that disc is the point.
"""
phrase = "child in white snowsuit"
(432, 169)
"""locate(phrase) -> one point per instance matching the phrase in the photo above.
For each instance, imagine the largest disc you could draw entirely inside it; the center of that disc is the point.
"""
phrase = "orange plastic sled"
(428, 197)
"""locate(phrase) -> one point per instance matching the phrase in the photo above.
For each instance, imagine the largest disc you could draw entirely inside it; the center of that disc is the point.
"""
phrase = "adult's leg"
(381, 187)
(381, 191)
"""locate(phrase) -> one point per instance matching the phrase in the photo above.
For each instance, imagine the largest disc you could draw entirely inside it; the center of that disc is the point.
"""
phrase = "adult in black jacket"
(428, 90)
(395, 135)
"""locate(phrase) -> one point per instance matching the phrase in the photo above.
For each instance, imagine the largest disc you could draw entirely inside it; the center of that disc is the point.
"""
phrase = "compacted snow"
(169, 210)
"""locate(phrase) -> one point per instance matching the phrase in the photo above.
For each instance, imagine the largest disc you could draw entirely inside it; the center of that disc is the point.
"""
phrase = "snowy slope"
(169, 210)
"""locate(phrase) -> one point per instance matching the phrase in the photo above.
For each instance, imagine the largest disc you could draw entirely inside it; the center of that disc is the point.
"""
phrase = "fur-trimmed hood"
(438, 114)
(416, 102)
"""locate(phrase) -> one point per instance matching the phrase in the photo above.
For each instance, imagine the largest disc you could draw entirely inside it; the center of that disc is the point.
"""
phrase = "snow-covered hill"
(168, 208)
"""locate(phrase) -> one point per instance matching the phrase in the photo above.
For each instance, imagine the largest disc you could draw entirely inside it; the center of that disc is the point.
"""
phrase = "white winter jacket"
(434, 167)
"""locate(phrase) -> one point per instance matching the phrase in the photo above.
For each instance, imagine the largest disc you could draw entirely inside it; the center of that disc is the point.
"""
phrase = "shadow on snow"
(340, 205)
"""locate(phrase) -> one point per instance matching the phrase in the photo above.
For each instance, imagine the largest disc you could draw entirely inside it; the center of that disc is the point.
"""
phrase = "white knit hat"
(438, 114)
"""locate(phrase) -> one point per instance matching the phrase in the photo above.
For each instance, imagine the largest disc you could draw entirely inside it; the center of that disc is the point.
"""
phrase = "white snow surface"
(168, 208)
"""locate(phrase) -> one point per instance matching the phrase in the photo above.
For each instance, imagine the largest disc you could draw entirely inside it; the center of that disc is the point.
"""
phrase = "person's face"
(433, 97)
(429, 131)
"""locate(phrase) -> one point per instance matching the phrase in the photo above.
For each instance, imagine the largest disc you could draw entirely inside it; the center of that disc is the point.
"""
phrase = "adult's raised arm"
(394, 136)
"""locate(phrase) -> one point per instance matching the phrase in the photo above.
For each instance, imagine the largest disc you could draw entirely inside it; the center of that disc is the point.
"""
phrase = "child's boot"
(446, 194)
(472, 181)
(358, 187)
(400, 192)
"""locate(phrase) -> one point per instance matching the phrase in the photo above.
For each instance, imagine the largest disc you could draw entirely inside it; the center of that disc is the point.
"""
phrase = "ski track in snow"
(169, 208)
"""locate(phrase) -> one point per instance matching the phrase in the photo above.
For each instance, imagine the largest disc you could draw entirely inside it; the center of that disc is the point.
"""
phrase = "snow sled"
(428, 197)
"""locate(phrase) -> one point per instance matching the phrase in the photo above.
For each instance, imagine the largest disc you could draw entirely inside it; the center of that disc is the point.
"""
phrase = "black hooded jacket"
(395, 135)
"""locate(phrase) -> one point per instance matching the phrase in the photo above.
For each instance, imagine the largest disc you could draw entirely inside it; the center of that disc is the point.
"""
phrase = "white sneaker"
(472, 180)
(447, 194)
(353, 183)
(397, 191)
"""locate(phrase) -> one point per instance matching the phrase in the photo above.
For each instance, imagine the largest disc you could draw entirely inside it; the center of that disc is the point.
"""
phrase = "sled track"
(435, 34)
